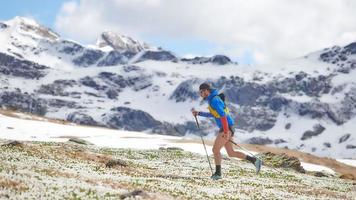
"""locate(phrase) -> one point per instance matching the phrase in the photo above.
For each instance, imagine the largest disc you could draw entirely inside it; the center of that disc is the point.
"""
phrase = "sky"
(248, 31)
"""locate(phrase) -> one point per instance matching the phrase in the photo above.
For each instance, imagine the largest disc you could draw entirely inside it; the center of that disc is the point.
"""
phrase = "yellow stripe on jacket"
(216, 114)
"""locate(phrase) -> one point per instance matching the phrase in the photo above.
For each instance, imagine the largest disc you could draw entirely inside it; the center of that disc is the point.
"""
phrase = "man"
(219, 111)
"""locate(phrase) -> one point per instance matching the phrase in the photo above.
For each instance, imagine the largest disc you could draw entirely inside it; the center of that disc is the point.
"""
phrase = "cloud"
(269, 29)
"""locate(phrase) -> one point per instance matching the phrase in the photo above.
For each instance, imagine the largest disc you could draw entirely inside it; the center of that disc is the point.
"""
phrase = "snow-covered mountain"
(120, 42)
(307, 103)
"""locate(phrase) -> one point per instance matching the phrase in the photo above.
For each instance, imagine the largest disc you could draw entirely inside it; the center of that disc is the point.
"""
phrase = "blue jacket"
(218, 105)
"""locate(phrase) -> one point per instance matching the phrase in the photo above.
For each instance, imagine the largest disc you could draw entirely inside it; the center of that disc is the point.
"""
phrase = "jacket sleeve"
(205, 114)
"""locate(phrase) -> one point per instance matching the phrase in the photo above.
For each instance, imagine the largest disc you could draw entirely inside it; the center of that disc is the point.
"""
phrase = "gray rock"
(80, 141)
(115, 58)
(136, 194)
(90, 82)
(3, 25)
(12, 143)
(217, 59)
(89, 57)
(69, 47)
(10, 65)
(344, 138)
(317, 130)
(327, 144)
(57, 88)
(157, 55)
(259, 141)
(23, 102)
(82, 118)
(350, 146)
(116, 162)
(185, 91)
(130, 119)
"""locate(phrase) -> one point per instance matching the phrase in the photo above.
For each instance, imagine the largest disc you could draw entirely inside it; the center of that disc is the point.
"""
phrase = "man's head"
(204, 90)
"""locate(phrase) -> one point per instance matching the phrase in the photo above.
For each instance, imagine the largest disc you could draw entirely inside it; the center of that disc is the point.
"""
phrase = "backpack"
(222, 97)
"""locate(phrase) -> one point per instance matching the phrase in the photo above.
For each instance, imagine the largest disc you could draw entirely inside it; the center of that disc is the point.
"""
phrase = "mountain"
(120, 42)
(307, 103)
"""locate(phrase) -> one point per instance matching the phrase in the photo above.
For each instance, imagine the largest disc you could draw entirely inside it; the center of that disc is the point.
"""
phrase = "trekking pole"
(196, 120)
(244, 149)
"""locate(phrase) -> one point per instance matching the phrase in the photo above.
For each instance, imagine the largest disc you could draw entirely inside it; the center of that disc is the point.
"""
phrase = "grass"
(46, 170)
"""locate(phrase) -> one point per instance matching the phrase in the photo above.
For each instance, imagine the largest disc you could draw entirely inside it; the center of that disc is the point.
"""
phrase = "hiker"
(220, 112)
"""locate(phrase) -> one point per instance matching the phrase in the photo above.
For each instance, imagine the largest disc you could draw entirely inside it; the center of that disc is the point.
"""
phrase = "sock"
(218, 170)
(251, 159)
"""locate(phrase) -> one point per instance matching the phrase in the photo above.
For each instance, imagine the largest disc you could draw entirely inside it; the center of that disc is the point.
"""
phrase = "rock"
(130, 119)
(89, 57)
(174, 149)
(115, 81)
(80, 141)
(256, 118)
(344, 138)
(320, 174)
(115, 58)
(10, 65)
(317, 130)
(132, 68)
(288, 125)
(57, 88)
(350, 49)
(327, 144)
(12, 143)
(112, 94)
(23, 102)
(136, 194)
(90, 82)
(347, 176)
(116, 162)
(300, 76)
(279, 141)
(259, 141)
(350, 146)
(277, 103)
(3, 25)
(120, 42)
(69, 47)
(283, 161)
(81, 118)
(157, 55)
(220, 60)
(217, 59)
(139, 82)
(58, 103)
(185, 91)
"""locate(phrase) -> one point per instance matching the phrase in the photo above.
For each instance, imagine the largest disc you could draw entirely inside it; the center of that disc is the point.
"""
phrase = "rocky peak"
(120, 42)
(30, 26)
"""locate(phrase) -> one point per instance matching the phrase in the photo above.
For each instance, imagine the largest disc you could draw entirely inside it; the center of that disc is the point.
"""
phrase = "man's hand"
(194, 112)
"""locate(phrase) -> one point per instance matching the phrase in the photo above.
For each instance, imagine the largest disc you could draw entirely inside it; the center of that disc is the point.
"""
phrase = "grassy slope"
(71, 171)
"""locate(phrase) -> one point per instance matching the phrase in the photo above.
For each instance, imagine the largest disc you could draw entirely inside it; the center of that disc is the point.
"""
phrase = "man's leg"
(230, 151)
(218, 144)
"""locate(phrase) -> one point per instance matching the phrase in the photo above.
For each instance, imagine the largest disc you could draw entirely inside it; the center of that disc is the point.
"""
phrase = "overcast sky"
(250, 31)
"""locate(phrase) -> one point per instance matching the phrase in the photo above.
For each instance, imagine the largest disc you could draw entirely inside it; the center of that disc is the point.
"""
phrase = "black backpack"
(222, 97)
